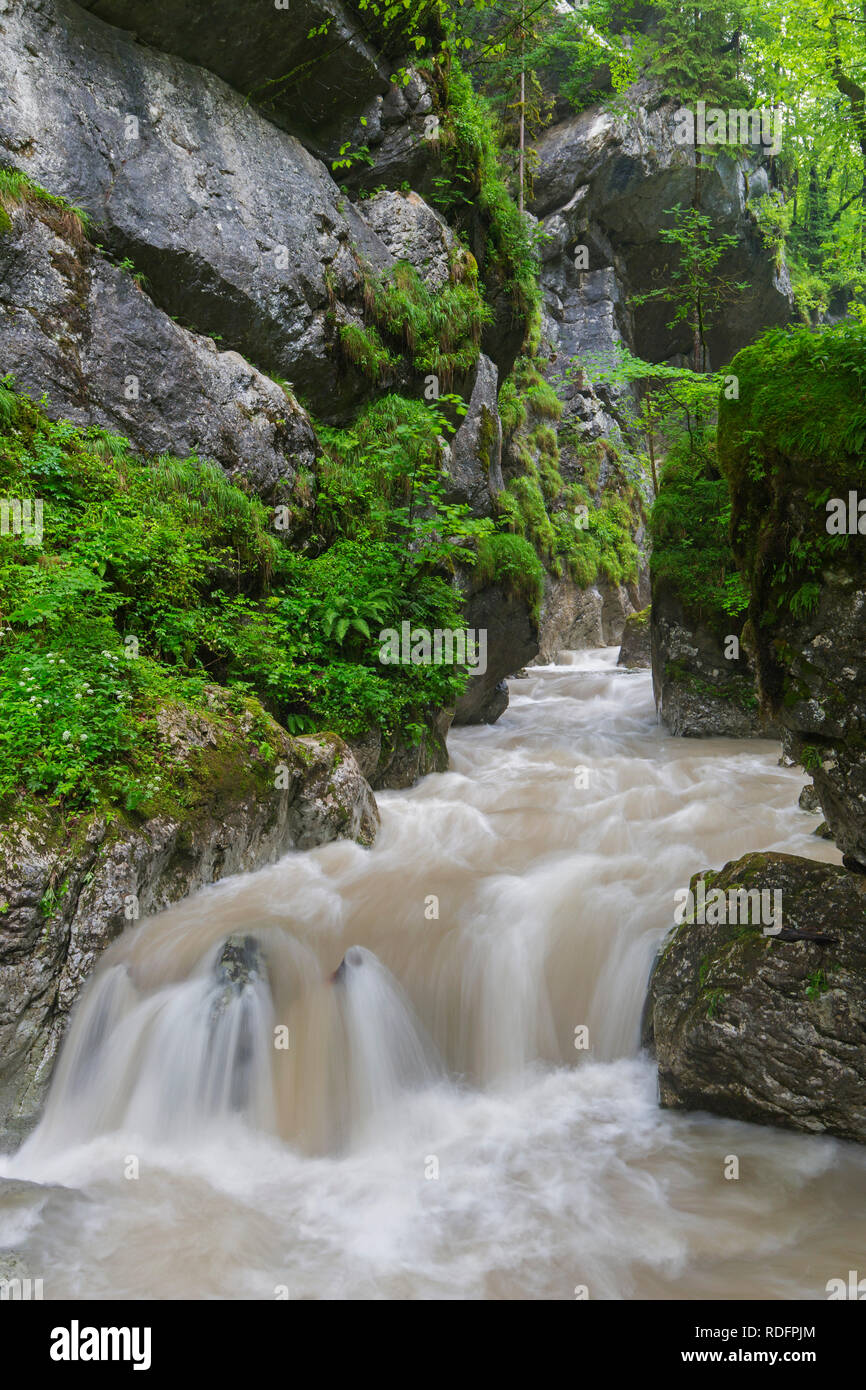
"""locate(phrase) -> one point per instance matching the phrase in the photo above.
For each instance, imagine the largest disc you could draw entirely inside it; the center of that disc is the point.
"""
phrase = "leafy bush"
(157, 577)
(795, 438)
(689, 525)
(441, 328)
(19, 190)
(472, 181)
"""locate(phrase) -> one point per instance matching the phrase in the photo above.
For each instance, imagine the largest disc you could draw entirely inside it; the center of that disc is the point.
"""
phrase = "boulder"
(413, 232)
(607, 179)
(475, 463)
(300, 83)
(401, 138)
(767, 1028)
(79, 330)
(393, 763)
(576, 619)
(240, 231)
(636, 648)
(789, 446)
(512, 642)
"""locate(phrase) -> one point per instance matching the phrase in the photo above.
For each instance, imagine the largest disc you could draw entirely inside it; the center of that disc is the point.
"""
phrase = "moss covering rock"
(794, 441)
(768, 1028)
(702, 677)
(636, 648)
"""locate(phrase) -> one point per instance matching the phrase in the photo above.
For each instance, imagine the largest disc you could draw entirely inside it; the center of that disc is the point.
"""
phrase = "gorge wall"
(190, 262)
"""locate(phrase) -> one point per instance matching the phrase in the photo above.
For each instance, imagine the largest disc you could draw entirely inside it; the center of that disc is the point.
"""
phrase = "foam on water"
(430, 1129)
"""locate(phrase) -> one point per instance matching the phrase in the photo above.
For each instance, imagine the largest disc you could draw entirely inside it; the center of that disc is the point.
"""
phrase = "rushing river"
(423, 1125)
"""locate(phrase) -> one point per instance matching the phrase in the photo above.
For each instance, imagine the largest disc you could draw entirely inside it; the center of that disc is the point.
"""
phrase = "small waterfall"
(173, 1062)
(384, 1051)
(164, 1063)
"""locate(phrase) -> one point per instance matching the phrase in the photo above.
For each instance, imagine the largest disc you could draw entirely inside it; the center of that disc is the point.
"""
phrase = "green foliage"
(689, 526)
(19, 190)
(794, 439)
(156, 578)
(349, 157)
(363, 347)
(441, 328)
(696, 51)
(472, 183)
(695, 288)
(567, 528)
(816, 984)
(670, 399)
(511, 561)
(802, 398)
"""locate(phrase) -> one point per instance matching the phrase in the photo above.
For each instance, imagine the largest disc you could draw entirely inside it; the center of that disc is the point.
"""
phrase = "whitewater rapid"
(424, 1126)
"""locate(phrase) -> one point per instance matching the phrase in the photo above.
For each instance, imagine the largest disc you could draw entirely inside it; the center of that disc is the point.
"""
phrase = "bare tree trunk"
(522, 104)
(650, 434)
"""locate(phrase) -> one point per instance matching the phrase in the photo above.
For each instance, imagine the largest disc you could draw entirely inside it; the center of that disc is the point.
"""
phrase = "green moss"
(801, 401)
(795, 438)
(511, 561)
(512, 410)
(543, 401)
(689, 525)
(487, 435)
(737, 690)
(472, 187)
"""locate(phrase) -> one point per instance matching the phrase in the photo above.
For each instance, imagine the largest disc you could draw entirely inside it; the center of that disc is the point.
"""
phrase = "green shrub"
(511, 561)
(795, 437)
(156, 577)
(689, 526)
(472, 182)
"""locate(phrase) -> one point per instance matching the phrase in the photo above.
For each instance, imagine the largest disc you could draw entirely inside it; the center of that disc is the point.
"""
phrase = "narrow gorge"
(432, 669)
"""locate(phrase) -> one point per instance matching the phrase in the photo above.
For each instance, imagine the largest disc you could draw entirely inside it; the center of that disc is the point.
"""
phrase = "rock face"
(65, 895)
(389, 765)
(397, 130)
(764, 1028)
(81, 330)
(413, 232)
(636, 648)
(239, 230)
(602, 187)
(605, 181)
(699, 692)
(824, 707)
(574, 619)
(512, 641)
(271, 59)
(807, 616)
(475, 464)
